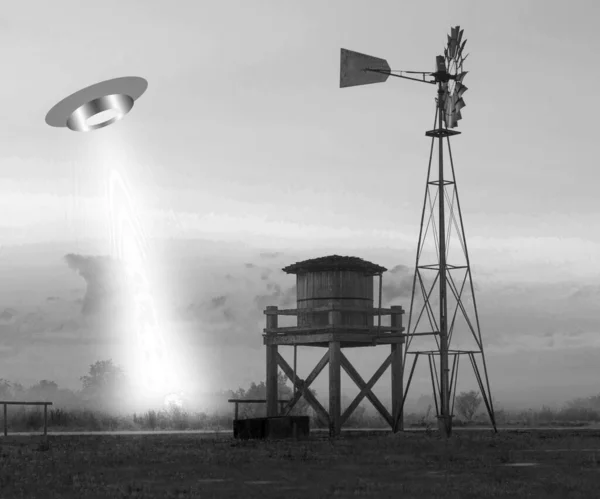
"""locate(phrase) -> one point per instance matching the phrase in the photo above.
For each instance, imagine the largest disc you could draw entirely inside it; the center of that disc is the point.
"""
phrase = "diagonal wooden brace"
(366, 389)
(303, 386)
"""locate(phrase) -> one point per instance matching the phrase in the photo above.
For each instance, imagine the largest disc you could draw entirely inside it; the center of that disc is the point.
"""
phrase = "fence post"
(5, 421)
(45, 420)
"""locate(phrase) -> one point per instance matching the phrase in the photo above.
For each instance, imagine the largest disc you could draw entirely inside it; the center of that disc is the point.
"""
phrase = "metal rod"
(435, 394)
(455, 380)
(486, 401)
(455, 358)
(436, 378)
(398, 76)
(400, 412)
(444, 405)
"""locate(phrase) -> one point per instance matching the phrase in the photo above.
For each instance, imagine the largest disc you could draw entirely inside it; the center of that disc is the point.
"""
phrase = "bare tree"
(467, 404)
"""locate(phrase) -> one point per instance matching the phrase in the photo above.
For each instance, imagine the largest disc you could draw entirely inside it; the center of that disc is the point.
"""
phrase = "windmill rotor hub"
(443, 77)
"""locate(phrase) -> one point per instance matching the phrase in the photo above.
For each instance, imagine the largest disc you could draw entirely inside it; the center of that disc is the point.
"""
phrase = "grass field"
(411, 465)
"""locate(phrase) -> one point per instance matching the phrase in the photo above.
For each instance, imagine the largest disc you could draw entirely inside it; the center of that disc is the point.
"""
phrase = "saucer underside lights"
(111, 99)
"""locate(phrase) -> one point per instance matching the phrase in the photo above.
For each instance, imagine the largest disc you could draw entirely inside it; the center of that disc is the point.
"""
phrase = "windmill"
(442, 313)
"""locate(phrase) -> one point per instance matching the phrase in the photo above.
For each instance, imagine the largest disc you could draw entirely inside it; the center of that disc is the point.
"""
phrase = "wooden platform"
(347, 339)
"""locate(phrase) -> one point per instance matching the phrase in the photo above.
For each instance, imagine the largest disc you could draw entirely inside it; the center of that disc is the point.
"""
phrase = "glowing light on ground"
(153, 367)
(174, 400)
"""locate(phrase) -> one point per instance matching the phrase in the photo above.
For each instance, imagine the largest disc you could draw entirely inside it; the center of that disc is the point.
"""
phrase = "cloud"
(271, 255)
(8, 316)
(397, 284)
(219, 301)
(105, 280)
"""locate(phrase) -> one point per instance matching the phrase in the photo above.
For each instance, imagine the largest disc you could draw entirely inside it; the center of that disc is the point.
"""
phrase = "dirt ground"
(544, 464)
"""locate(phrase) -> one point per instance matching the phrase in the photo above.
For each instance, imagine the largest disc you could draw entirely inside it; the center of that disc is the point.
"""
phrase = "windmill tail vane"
(362, 69)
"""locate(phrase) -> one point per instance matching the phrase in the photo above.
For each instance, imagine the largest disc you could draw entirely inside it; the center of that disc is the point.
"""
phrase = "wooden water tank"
(342, 281)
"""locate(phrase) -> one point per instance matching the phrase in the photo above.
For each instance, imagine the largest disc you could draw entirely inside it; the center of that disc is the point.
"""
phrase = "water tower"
(335, 311)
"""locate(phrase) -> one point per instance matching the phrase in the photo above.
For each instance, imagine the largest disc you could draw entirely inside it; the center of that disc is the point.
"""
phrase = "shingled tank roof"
(334, 262)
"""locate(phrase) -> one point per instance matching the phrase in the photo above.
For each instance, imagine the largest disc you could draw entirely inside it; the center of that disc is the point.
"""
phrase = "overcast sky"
(244, 136)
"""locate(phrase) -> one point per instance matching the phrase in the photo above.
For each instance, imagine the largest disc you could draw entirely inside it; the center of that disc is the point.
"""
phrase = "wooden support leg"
(335, 393)
(397, 388)
(271, 382)
(397, 374)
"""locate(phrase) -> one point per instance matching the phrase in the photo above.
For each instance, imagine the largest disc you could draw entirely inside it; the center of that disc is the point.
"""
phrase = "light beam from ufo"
(130, 246)
(116, 96)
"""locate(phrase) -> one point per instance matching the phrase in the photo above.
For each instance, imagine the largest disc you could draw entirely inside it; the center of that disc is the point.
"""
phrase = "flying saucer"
(109, 100)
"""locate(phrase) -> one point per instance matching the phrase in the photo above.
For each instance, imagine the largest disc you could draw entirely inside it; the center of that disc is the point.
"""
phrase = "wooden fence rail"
(254, 401)
(6, 403)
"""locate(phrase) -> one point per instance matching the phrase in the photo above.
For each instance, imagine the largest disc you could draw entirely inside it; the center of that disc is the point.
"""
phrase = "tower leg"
(397, 388)
(397, 375)
(271, 378)
(335, 392)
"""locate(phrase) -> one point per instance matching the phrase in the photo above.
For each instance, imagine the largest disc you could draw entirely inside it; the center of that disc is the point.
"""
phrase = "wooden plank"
(296, 339)
(271, 383)
(365, 329)
(397, 387)
(392, 340)
(311, 310)
(360, 339)
(309, 397)
(363, 389)
(13, 402)
(302, 386)
(335, 393)
(366, 388)
(253, 401)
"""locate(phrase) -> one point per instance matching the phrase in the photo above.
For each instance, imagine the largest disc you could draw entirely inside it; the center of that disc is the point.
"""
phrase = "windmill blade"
(460, 51)
(448, 111)
(452, 47)
(460, 89)
(453, 41)
(449, 46)
(354, 68)
(460, 77)
(458, 103)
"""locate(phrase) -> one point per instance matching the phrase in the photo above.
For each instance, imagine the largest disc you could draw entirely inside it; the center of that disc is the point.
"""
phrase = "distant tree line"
(104, 387)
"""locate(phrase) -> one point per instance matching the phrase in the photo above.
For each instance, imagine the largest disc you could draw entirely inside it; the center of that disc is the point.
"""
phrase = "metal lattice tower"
(442, 288)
